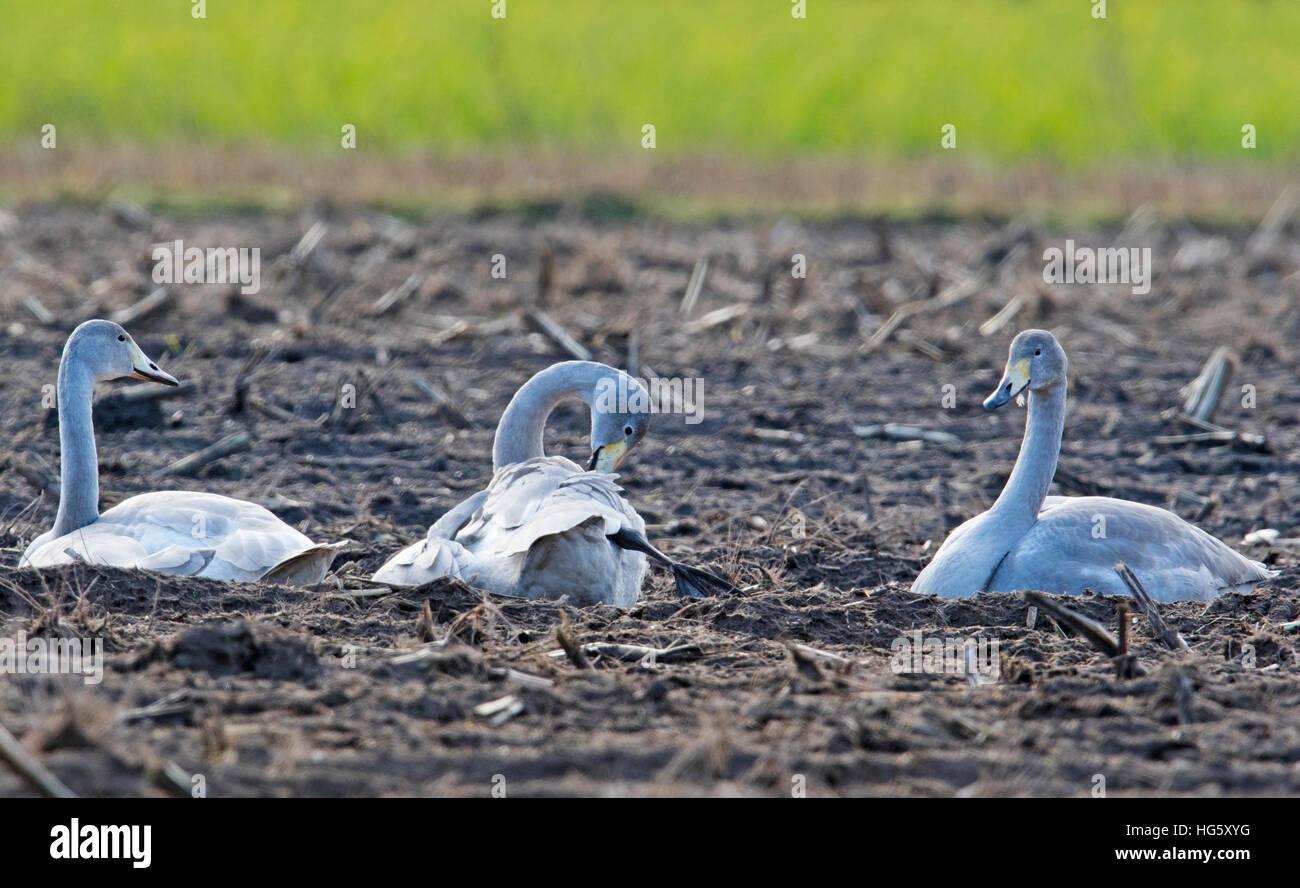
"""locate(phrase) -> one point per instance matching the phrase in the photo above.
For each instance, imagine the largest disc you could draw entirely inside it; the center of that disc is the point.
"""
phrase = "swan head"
(620, 416)
(1035, 362)
(110, 353)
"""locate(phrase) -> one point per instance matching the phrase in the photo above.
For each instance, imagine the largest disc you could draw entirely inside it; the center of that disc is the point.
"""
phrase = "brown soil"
(267, 690)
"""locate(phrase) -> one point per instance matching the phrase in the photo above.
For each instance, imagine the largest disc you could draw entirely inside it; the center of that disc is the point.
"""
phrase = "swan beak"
(607, 458)
(1012, 384)
(143, 368)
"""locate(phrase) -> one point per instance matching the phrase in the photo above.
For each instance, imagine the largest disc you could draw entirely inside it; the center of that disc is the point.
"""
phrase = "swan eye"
(122, 338)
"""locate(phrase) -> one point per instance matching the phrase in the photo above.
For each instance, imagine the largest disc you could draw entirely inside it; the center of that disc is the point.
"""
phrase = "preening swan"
(544, 528)
(177, 532)
(1065, 544)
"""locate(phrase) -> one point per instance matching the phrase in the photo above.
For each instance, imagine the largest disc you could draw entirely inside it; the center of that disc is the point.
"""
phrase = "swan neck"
(1027, 487)
(78, 460)
(519, 434)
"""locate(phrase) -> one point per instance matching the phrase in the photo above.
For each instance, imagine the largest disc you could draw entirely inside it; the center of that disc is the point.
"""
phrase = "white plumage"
(177, 532)
(540, 530)
(184, 532)
(1028, 540)
(545, 528)
(1174, 560)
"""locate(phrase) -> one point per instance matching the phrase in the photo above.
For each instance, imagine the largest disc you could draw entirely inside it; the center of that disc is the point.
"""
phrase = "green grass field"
(1154, 82)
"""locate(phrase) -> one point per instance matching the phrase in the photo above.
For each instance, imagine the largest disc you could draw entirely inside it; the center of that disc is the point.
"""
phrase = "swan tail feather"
(692, 582)
(307, 567)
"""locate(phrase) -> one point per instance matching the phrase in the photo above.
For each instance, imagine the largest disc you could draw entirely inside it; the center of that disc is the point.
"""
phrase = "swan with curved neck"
(1029, 540)
(614, 432)
(544, 527)
(180, 532)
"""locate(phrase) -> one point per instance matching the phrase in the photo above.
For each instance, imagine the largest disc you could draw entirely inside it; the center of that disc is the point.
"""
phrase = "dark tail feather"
(691, 581)
(695, 583)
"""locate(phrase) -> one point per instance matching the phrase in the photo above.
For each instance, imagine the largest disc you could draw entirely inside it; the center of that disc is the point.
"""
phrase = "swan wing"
(307, 567)
(543, 497)
(540, 530)
(421, 562)
(1076, 542)
(435, 556)
(180, 560)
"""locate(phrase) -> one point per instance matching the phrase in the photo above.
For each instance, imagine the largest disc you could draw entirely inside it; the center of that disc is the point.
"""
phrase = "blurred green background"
(1155, 81)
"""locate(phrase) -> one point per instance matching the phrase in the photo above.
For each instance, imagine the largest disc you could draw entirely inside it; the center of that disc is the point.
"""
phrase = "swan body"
(540, 530)
(1028, 540)
(544, 527)
(179, 532)
(176, 532)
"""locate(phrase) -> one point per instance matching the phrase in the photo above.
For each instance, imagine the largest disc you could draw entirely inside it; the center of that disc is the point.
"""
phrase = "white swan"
(544, 528)
(177, 532)
(1063, 544)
